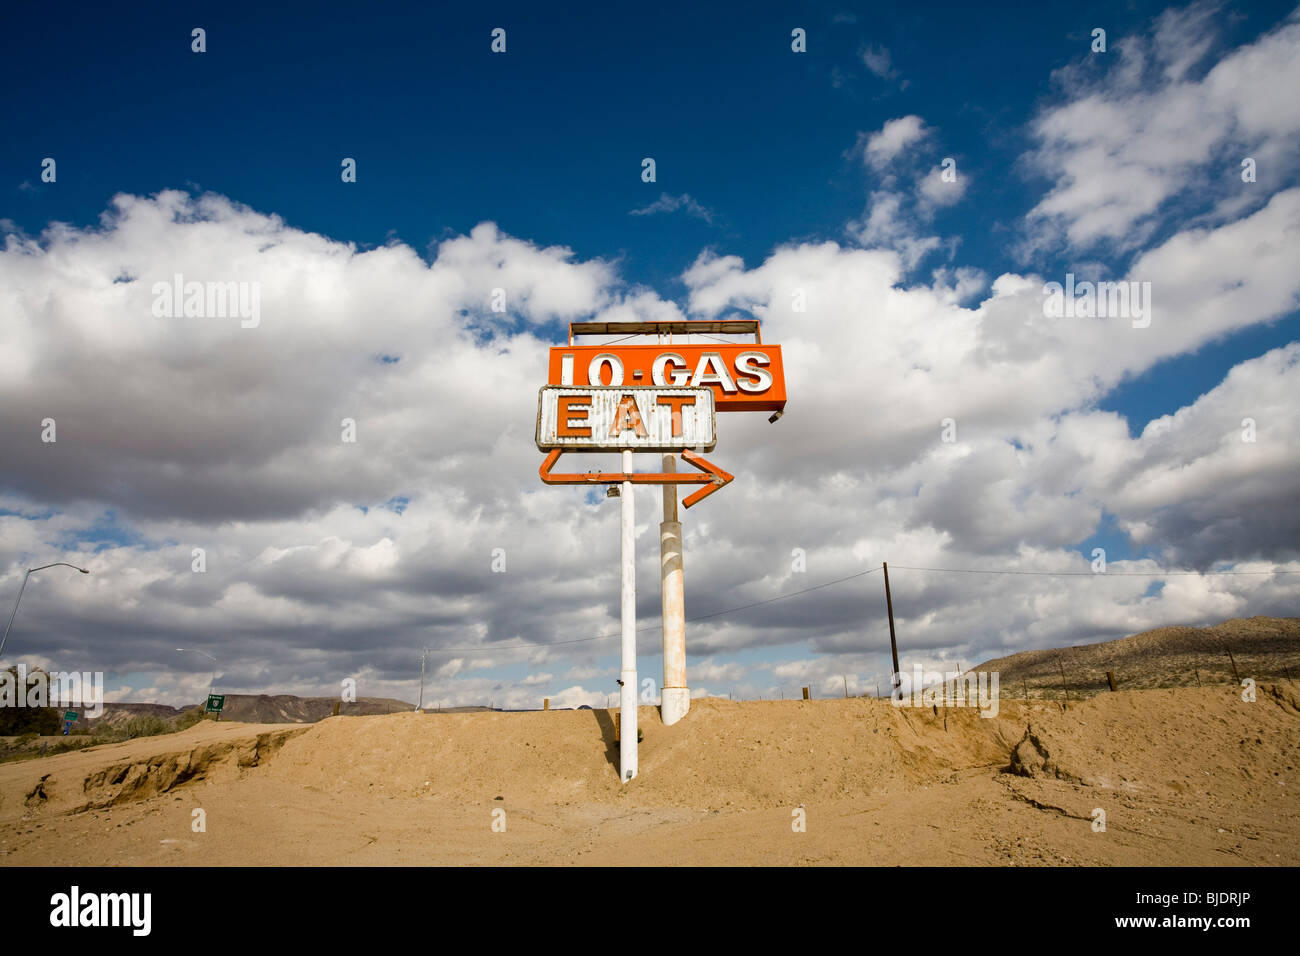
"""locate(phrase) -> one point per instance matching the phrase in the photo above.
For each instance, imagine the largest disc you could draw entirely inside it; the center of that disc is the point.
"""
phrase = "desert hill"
(1184, 776)
(1265, 648)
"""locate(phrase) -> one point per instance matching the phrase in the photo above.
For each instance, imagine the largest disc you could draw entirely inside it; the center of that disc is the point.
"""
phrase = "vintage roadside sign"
(744, 377)
(70, 715)
(711, 476)
(618, 418)
(216, 703)
(661, 398)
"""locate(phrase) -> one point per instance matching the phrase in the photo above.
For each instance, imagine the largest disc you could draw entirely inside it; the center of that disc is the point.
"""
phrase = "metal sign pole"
(627, 700)
(675, 696)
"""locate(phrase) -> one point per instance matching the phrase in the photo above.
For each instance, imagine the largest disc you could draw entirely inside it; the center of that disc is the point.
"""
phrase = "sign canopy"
(625, 418)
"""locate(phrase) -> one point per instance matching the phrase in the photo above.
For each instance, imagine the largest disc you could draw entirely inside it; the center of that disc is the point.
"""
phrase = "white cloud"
(1123, 146)
(684, 202)
(183, 433)
(878, 61)
(934, 190)
(888, 143)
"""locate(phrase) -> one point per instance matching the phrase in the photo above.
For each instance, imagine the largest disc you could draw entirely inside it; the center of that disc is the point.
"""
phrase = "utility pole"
(893, 640)
(419, 708)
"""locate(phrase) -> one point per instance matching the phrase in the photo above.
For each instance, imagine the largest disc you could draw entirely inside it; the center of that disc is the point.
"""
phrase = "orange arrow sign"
(713, 477)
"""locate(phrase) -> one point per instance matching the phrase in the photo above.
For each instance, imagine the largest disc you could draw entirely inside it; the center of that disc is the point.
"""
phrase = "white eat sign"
(622, 417)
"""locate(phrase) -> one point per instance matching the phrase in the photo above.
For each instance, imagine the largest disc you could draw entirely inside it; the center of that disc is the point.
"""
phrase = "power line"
(655, 627)
(850, 577)
(1089, 574)
(780, 597)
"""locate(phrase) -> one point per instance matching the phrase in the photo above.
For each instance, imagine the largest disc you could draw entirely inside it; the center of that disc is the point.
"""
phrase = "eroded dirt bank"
(1183, 776)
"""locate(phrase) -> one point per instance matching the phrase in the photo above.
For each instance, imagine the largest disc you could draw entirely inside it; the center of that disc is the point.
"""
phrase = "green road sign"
(69, 715)
(216, 703)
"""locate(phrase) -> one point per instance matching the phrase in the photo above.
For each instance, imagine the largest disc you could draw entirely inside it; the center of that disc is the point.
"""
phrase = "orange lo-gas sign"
(744, 378)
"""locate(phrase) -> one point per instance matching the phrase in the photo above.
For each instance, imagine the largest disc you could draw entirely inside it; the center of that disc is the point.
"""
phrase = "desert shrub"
(29, 720)
(146, 725)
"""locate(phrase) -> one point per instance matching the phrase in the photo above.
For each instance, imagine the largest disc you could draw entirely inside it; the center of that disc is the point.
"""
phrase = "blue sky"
(547, 139)
(757, 149)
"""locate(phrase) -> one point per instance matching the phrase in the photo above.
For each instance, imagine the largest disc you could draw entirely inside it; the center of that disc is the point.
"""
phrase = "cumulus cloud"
(882, 147)
(1138, 136)
(188, 440)
(903, 206)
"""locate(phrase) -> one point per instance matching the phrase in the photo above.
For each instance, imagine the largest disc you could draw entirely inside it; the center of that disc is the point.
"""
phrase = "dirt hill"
(1183, 776)
(1265, 648)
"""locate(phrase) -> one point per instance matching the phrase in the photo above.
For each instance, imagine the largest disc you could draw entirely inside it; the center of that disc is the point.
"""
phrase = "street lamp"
(30, 572)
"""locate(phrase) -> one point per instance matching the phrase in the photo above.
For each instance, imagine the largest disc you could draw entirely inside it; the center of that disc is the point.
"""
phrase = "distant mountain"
(255, 709)
(288, 709)
(115, 715)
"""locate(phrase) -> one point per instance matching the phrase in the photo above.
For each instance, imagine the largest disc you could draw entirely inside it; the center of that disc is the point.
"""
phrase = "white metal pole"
(627, 699)
(29, 573)
(675, 696)
(23, 587)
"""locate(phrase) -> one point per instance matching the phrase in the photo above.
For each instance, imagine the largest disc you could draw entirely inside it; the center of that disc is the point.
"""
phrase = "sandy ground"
(1185, 777)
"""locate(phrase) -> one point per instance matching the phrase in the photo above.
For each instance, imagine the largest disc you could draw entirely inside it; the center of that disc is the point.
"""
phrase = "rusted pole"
(1197, 672)
(1110, 679)
(627, 741)
(1064, 686)
(675, 696)
(1235, 675)
(805, 693)
(893, 639)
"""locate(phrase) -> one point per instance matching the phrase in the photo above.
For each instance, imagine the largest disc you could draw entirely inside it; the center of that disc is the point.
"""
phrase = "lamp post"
(23, 587)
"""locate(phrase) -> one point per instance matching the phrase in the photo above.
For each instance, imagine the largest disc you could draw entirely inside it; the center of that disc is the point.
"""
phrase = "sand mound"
(1185, 776)
(135, 770)
(1163, 739)
(752, 754)
(768, 754)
